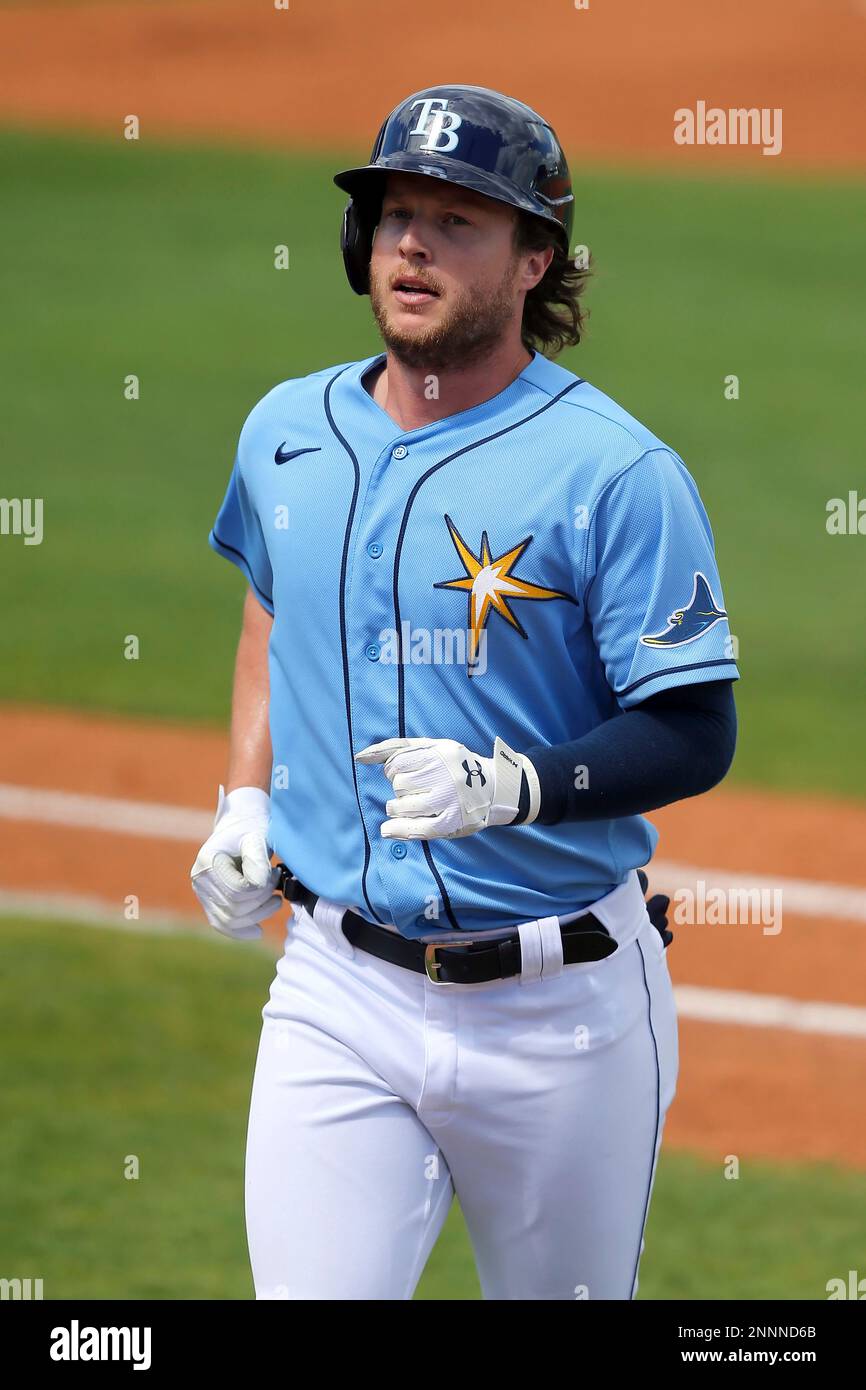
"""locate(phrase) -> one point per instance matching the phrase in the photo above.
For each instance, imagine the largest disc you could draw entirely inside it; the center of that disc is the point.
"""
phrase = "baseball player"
(484, 632)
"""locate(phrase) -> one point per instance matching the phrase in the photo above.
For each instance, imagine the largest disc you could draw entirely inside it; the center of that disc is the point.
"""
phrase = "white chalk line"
(693, 1001)
(749, 1010)
(153, 820)
(80, 909)
(150, 820)
(726, 1006)
(801, 897)
(94, 911)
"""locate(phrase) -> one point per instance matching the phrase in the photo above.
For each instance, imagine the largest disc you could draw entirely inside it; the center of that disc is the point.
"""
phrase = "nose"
(412, 243)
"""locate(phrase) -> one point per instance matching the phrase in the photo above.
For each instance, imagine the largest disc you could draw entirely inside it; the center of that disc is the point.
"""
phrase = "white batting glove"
(445, 791)
(232, 876)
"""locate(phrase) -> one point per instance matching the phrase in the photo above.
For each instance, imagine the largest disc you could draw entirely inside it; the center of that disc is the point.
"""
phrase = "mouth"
(410, 290)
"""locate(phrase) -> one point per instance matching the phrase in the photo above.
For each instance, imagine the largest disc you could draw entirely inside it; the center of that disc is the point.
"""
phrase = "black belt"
(474, 963)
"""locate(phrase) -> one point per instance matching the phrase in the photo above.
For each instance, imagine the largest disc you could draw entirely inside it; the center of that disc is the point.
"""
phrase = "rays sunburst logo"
(492, 587)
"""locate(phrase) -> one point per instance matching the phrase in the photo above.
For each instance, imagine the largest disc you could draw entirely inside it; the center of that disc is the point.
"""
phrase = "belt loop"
(329, 919)
(552, 959)
(531, 959)
(620, 909)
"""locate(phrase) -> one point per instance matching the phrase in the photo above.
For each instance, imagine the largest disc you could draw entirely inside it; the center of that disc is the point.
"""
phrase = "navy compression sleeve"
(673, 745)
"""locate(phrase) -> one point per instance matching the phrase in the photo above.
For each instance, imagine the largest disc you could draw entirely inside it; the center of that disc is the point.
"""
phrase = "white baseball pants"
(539, 1099)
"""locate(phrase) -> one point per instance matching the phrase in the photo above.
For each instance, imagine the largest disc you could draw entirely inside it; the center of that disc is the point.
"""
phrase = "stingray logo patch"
(688, 623)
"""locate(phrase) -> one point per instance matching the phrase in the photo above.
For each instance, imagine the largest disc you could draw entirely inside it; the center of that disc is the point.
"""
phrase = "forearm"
(250, 754)
(674, 745)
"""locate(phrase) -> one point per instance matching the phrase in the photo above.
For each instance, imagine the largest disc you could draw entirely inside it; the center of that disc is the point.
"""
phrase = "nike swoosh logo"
(283, 456)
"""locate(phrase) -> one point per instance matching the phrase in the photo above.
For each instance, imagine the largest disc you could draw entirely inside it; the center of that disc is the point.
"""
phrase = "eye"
(447, 217)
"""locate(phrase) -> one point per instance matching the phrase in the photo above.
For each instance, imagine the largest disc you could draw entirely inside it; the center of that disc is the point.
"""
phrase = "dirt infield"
(744, 1090)
(313, 76)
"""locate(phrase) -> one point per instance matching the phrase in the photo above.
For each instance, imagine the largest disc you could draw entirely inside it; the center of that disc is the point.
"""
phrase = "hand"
(657, 909)
(232, 876)
(445, 791)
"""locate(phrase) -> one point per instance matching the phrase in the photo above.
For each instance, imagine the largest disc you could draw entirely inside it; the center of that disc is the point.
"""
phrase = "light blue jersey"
(524, 568)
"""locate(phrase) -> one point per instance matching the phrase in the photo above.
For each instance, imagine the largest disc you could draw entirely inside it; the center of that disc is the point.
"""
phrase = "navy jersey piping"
(245, 565)
(346, 689)
(401, 715)
(675, 671)
(658, 1114)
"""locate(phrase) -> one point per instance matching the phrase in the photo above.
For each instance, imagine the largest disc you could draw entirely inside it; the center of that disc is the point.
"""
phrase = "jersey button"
(372, 652)
(374, 550)
(400, 452)
(398, 850)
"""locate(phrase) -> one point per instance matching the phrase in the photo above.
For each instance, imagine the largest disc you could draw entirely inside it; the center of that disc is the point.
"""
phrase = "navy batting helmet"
(470, 136)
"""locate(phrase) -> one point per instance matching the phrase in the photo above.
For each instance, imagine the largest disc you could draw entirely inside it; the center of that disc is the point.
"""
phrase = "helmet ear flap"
(356, 243)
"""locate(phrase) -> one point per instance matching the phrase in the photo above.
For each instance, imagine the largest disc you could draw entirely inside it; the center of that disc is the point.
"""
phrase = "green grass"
(135, 258)
(125, 1044)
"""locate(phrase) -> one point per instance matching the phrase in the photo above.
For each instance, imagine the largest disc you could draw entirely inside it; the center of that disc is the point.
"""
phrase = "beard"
(473, 325)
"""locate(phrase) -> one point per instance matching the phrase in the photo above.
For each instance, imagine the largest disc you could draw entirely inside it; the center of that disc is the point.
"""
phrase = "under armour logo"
(474, 772)
(435, 124)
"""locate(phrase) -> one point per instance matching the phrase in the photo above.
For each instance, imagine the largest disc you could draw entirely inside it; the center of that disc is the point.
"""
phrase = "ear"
(535, 264)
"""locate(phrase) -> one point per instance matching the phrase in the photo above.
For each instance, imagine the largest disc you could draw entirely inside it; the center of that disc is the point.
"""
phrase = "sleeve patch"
(690, 622)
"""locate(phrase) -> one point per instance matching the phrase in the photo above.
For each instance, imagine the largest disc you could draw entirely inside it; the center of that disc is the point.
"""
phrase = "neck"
(415, 396)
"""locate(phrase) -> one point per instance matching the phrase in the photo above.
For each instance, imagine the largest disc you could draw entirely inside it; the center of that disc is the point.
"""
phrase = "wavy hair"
(553, 317)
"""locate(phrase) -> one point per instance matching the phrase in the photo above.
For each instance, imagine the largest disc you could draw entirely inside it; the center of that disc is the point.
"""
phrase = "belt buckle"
(432, 966)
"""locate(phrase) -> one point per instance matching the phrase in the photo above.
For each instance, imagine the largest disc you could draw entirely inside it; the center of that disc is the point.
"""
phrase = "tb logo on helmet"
(433, 124)
(481, 139)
